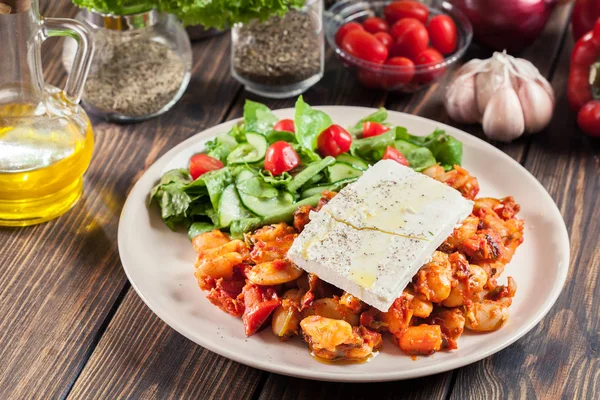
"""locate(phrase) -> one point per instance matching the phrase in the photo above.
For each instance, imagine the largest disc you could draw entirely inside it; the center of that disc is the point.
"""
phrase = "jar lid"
(122, 22)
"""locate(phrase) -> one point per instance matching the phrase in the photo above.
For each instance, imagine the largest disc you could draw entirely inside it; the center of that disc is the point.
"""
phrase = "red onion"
(506, 24)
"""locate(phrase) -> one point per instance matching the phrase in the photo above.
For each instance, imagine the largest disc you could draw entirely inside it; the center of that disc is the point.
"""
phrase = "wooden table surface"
(71, 326)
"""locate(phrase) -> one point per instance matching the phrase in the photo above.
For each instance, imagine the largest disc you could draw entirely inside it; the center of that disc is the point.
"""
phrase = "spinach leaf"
(276, 136)
(378, 116)
(309, 123)
(239, 226)
(197, 228)
(221, 146)
(258, 117)
(404, 147)
(420, 158)
(277, 181)
(307, 156)
(171, 197)
(214, 182)
(446, 149)
(372, 148)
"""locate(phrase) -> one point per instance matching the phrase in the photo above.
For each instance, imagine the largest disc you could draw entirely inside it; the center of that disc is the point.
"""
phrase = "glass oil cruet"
(46, 139)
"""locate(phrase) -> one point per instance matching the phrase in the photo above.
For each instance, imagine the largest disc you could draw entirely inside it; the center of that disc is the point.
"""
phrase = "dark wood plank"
(283, 388)
(559, 358)
(141, 357)
(428, 103)
(60, 280)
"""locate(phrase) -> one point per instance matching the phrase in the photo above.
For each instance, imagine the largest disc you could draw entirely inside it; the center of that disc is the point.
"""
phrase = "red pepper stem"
(595, 79)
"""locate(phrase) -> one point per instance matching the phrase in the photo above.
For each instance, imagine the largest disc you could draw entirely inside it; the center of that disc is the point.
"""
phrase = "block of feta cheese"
(376, 233)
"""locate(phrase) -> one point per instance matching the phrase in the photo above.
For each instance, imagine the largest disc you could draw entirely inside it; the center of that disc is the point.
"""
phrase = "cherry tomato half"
(385, 38)
(393, 154)
(281, 157)
(442, 32)
(202, 163)
(334, 141)
(374, 25)
(365, 46)
(429, 56)
(404, 75)
(411, 38)
(589, 118)
(286, 125)
(344, 29)
(406, 9)
(373, 129)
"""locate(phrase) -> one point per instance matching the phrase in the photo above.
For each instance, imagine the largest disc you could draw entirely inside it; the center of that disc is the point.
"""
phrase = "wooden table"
(71, 326)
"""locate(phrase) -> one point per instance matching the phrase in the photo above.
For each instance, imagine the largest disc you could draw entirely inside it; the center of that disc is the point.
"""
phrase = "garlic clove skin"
(528, 70)
(537, 106)
(503, 118)
(461, 101)
(487, 82)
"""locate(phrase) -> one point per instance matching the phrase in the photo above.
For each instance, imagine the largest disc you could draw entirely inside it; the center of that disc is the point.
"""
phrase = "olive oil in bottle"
(42, 161)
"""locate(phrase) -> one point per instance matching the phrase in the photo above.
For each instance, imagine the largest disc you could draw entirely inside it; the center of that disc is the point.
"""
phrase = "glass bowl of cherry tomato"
(400, 45)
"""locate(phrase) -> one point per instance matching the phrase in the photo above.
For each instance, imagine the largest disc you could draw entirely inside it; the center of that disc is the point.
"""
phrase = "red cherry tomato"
(393, 154)
(589, 118)
(370, 78)
(373, 129)
(286, 125)
(404, 75)
(281, 157)
(334, 141)
(411, 37)
(201, 164)
(374, 25)
(344, 29)
(442, 32)
(406, 9)
(365, 46)
(385, 38)
(429, 56)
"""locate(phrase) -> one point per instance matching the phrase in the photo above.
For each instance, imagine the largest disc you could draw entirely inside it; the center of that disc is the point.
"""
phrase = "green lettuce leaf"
(258, 118)
(221, 146)
(309, 123)
(197, 228)
(372, 148)
(171, 197)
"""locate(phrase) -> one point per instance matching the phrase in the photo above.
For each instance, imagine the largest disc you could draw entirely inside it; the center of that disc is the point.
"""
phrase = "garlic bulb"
(507, 95)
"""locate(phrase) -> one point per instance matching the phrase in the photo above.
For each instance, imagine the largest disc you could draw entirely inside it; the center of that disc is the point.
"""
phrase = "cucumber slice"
(252, 151)
(314, 180)
(356, 162)
(266, 206)
(306, 174)
(230, 207)
(248, 183)
(340, 171)
(332, 187)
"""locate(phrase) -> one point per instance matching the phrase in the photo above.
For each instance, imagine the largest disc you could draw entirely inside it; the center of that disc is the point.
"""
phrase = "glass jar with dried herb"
(282, 56)
(141, 67)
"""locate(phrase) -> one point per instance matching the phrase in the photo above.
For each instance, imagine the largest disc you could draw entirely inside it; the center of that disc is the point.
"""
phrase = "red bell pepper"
(260, 302)
(583, 90)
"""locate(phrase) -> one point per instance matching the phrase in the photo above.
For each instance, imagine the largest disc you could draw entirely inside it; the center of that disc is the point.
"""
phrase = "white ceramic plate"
(159, 264)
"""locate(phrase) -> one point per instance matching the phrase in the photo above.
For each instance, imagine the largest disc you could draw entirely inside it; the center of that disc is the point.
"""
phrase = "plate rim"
(417, 372)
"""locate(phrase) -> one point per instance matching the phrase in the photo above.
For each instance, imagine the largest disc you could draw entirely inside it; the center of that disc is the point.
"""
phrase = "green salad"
(264, 168)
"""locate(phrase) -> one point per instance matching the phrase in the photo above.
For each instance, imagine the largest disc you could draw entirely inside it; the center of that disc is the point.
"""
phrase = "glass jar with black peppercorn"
(282, 56)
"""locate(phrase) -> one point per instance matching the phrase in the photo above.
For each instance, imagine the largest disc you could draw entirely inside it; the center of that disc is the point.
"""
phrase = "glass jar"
(141, 68)
(282, 56)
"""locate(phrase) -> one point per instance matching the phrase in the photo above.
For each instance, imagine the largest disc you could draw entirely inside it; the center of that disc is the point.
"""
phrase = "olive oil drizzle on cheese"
(372, 228)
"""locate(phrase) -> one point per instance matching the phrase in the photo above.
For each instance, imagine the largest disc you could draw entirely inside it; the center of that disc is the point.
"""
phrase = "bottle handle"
(83, 56)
